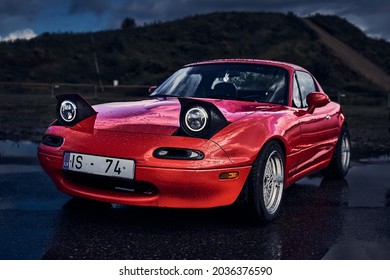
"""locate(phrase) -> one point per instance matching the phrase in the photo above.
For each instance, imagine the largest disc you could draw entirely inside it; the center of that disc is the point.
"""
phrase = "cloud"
(16, 14)
(54, 15)
(17, 8)
(24, 34)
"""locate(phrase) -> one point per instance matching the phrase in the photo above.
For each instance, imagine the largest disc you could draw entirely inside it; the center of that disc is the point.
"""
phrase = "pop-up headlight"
(72, 109)
(200, 118)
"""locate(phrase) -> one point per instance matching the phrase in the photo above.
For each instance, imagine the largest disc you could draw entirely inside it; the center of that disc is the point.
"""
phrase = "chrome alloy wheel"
(273, 182)
(345, 152)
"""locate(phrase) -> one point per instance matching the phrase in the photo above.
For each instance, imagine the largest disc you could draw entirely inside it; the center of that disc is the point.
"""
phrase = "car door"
(317, 130)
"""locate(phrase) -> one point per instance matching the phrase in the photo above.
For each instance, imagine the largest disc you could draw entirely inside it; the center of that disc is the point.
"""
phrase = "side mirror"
(151, 89)
(316, 100)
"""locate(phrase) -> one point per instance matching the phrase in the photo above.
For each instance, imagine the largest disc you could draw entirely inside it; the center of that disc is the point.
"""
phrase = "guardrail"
(362, 98)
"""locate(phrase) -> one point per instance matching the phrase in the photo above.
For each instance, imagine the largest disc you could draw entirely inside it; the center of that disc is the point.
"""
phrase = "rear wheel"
(264, 188)
(339, 165)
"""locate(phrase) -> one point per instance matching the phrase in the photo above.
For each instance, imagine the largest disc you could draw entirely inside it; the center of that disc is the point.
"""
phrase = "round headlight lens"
(196, 119)
(68, 111)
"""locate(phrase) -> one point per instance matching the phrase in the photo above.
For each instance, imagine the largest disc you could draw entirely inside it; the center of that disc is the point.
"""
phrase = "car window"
(253, 82)
(181, 83)
(306, 85)
(297, 101)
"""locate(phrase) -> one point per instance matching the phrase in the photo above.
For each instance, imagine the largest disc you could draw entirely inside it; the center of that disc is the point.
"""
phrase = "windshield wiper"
(246, 99)
(162, 95)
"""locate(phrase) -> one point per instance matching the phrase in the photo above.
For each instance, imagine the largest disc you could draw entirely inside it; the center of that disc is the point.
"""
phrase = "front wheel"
(339, 165)
(266, 182)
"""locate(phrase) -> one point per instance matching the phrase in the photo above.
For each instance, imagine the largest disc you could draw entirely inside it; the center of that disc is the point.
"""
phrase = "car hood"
(162, 115)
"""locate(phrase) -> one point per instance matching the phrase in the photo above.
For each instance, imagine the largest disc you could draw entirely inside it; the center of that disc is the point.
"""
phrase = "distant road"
(354, 60)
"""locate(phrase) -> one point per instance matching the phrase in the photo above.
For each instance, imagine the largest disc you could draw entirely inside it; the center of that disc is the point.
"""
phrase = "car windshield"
(237, 81)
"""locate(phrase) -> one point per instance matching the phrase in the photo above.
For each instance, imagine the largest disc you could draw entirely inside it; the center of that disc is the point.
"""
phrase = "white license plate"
(98, 165)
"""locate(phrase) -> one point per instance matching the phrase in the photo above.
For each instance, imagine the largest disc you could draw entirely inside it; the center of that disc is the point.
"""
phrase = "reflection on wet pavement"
(372, 190)
(18, 156)
(355, 249)
(17, 149)
(365, 232)
(16, 168)
(368, 183)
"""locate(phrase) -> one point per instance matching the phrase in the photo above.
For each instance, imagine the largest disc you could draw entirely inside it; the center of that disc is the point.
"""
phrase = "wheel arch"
(342, 119)
(282, 143)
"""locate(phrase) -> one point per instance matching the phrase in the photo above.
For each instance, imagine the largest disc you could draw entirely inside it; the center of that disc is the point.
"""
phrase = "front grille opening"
(110, 184)
(178, 153)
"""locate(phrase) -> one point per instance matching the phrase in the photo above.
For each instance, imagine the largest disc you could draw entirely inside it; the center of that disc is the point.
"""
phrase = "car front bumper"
(176, 188)
(174, 183)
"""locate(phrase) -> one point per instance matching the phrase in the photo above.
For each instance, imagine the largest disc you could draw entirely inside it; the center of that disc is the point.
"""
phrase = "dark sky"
(21, 18)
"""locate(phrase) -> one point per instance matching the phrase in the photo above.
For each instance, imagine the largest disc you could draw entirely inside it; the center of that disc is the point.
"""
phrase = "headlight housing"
(72, 109)
(200, 118)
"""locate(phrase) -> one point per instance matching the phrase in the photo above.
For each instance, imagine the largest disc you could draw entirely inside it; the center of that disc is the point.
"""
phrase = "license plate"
(98, 165)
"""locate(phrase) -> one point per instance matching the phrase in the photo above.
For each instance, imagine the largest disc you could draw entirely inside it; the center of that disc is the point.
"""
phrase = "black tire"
(339, 165)
(266, 177)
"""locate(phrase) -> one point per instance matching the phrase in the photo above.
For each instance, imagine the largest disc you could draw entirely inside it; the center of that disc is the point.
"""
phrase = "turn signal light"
(228, 175)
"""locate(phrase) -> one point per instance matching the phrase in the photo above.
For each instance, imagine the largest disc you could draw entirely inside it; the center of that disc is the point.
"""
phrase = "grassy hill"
(147, 54)
(377, 50)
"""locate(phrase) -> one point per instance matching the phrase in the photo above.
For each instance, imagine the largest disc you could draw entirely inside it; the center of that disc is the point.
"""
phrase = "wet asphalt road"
(320, 219)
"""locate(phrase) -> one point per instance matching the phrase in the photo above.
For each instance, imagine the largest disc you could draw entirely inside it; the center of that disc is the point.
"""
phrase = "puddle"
(19, 168)
(18, 157)
(369, 185)
(359, 250)
(12, 149)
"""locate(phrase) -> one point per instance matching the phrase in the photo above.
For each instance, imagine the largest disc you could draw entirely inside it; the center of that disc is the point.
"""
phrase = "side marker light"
(228, 175)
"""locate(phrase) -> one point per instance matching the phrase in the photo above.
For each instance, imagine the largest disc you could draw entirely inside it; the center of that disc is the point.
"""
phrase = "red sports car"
(213, 133)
